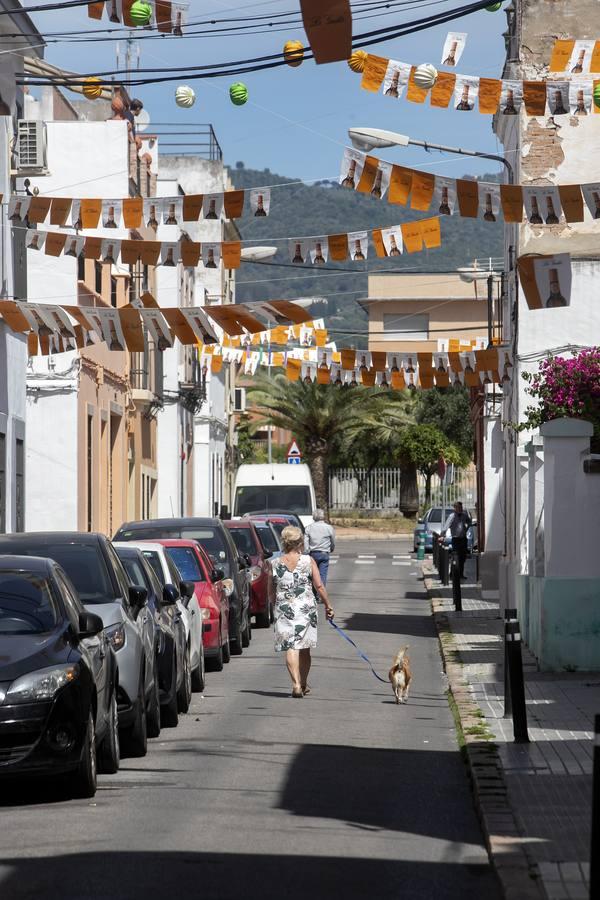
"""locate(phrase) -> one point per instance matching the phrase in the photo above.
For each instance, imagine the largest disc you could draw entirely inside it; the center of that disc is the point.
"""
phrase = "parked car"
(193, 659)
(269, 538)
(264, 515)
(58, 679)
(194, 565)
(247, 541)
(171, 648)
(211, 534)
(93, 566)
(434, 521)
(279, 522)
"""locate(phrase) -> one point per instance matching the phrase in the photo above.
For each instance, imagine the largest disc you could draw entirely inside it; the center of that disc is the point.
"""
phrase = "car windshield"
(186, 563)
(211, 539)
(83, 563)
(134, 569)
(27, 605)
(295, 497)
(267, 538)
(152, 557)
(243, 540)
(279, 526)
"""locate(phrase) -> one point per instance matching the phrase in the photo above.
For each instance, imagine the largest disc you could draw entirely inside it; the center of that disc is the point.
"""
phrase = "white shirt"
(319, 537)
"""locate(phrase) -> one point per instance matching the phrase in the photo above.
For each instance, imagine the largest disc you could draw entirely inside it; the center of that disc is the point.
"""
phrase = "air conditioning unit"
(31, 147)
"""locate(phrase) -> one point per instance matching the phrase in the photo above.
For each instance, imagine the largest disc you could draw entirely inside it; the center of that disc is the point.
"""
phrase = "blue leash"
(360, 653)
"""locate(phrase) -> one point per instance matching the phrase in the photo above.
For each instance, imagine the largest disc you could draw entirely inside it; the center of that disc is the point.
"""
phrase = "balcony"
(146, 378)
(179, 139)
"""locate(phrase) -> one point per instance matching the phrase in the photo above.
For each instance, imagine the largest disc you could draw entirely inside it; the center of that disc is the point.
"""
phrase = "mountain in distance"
(299, 210)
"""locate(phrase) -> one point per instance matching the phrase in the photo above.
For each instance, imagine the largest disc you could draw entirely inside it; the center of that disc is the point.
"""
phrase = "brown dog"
(400, 676)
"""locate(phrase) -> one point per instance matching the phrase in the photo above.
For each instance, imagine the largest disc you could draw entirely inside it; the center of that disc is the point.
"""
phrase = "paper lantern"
(493, 7)
(185, 96)
(92, 89)
(293, 53)
(238, 93)
(425, 76)
(357, 61)
(140, 13)
(597, 94)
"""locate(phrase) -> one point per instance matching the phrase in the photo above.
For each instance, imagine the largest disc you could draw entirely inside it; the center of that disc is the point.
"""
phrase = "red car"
(194, 564)
(249, 546)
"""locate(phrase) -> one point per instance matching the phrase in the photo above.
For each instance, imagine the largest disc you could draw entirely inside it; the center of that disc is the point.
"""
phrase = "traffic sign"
(294, 450)
(294, 460)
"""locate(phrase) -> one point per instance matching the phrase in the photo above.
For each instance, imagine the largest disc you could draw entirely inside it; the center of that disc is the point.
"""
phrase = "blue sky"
(296, 121)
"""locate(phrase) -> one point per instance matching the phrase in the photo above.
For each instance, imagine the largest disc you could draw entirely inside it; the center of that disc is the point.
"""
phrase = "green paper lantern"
(597, 94)
(238, 93)
(493, 7)
(140, 13)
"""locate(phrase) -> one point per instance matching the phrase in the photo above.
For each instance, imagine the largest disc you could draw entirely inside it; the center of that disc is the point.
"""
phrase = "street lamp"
(257, 254)
(366, 139)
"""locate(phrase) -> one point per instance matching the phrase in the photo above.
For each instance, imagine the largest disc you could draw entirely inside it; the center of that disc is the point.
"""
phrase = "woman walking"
(294, 580)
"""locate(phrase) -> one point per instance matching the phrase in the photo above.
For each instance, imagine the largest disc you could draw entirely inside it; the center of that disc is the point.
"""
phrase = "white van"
(274, 488)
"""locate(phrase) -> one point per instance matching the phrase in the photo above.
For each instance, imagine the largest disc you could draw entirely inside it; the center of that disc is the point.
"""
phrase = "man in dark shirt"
(458, 523)
(135, 108)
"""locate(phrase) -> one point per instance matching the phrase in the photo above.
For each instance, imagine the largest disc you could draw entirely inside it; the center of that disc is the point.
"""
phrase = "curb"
(504, 836)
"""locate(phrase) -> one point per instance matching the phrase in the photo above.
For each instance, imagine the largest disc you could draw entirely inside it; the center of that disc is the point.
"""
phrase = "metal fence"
(379, 489)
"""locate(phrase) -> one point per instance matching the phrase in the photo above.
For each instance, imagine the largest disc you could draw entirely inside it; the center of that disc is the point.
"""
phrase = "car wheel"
(246, 634)
(169, 717)
(198, 679)
(236, 640)
(136, 738)
(263, 620)
(184, 694)
(226, 649)
(85, 779)
(215, 663)
(109, 754)
(153, 713)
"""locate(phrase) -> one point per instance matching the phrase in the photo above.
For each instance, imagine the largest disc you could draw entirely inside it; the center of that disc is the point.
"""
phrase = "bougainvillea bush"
(566, 387)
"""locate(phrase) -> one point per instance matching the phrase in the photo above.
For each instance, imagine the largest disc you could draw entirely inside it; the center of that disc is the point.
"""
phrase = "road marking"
(333, 562)
(364, 562)
(367, 556)
(394, 563)
(401, 555)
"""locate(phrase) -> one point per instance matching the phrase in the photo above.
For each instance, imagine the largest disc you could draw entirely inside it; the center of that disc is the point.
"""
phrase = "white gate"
(380, 488)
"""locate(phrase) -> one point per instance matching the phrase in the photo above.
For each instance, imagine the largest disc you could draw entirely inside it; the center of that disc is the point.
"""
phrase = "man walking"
(319, 542)
(458, 524)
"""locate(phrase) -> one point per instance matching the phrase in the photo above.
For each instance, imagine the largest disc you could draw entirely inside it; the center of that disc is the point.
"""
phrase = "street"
(257, 796)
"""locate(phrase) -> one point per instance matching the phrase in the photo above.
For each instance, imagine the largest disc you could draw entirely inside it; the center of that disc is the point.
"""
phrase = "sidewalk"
(534, 799)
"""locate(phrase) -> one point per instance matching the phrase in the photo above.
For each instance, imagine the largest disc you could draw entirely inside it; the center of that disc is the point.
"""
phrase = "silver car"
(93, 566)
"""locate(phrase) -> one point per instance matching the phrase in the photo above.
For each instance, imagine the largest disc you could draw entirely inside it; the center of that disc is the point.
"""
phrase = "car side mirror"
(247, 558)
(217, 575)
(474, 523)
(89, 624)
(187, 589)
(170, 595)
(420, 520)
(242, 562)
(267, 554)
(138, 597)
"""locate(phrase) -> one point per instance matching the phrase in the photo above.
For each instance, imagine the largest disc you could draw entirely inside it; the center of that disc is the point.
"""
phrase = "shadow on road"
(386, 623)
(231, 876)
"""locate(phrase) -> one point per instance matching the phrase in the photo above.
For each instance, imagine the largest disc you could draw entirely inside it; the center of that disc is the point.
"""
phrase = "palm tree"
(321, 417)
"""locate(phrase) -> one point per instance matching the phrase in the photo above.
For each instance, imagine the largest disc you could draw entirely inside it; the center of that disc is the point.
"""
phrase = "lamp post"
(366, 139)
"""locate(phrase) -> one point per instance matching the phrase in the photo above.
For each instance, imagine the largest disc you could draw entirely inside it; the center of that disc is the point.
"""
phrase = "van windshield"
(262, 498)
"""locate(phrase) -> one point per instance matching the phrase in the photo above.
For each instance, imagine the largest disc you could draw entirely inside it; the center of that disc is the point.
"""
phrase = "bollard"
(456, 587)
(517, 683)
(510, 615)
(595, 848)
(443, 556)
(421, 546)
(435, 550)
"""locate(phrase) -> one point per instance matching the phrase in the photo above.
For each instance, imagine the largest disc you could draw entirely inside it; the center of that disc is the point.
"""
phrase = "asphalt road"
(258, 795)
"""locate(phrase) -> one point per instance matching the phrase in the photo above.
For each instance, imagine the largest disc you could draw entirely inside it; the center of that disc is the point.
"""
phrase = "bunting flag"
(54, 329)
(443, 196)
(135, 212)
(316, 251)
(576, 57)
(467, 367)
(489, 95)
(546, 280)
(168, 16)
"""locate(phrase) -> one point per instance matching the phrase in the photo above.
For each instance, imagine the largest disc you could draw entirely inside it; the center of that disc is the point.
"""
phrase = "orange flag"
(374, 73)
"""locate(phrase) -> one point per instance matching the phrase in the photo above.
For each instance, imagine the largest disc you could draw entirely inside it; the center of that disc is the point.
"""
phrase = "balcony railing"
(176, 139)
(146, 372)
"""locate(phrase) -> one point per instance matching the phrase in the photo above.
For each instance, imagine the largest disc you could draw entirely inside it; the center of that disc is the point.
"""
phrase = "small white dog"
(400, 675)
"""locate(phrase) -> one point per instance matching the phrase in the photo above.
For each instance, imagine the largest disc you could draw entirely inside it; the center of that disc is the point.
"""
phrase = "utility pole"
(131, 56)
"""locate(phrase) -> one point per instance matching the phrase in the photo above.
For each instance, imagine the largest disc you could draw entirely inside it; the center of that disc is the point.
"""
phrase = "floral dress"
(295, 606)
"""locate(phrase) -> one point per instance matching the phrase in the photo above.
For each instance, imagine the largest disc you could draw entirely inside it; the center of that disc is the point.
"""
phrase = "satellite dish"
(142, 121)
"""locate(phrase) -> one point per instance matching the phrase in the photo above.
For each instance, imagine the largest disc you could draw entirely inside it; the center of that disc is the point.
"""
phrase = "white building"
(13, 270)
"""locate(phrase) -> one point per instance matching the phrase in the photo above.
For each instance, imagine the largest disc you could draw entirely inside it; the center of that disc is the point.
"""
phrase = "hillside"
(325, 208)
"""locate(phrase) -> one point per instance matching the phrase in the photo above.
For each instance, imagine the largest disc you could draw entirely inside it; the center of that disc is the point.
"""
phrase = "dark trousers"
(459, 545)
(322, 561)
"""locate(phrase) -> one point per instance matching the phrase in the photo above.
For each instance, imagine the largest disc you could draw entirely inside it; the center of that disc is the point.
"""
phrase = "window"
(83, 563)
(398, 327)
(243, 540)
(262, 498)
(186, 563)
(152, 557)
(2, 483)
(239, 399)
(27, 605)
(267, 537)
(113, 291)
(81, 267)
(90, 472)
(98, 277)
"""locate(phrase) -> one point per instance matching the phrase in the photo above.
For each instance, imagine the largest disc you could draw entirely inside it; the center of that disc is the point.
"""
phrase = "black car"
(172, 647)
(58, 679)
(211, 534)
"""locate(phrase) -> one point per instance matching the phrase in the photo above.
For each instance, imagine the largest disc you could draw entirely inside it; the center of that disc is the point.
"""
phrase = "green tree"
(419, 449)
(449, 410)
(246, 449)
(322, 418)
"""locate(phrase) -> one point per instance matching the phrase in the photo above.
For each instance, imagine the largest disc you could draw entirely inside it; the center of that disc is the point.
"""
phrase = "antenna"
(132, 53)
